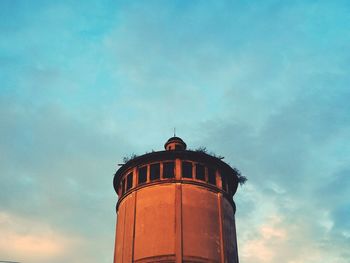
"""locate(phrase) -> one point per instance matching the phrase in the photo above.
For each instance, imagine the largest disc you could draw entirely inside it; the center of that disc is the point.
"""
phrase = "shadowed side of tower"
(175, 206)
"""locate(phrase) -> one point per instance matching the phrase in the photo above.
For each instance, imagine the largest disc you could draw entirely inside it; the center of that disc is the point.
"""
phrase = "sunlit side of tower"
(176, 206)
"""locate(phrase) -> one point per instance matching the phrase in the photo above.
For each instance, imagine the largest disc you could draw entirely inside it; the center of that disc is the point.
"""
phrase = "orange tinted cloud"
(263, 248)
(30, 241)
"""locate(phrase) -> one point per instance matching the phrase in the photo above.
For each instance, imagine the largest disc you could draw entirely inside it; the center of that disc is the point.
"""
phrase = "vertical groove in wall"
(178, 222)
(181, 221)
(235, 237)
(126, 206)
(115, 243)
(133, 231)
(221, 222)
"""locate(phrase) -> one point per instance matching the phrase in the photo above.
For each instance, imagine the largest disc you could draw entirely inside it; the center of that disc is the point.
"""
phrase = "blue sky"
(263, 83)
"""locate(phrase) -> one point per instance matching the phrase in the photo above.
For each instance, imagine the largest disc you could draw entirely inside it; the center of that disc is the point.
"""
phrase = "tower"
(177, 206)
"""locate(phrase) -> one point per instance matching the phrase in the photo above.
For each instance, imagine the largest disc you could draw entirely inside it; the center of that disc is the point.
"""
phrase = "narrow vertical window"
(212, 176)
(187, 169)
(142, 175)
(155, 171)
(230, 184)
(168, 170)
(224, 182)
(120, 190)
(129, 180)
(200, 172)
(123, 186)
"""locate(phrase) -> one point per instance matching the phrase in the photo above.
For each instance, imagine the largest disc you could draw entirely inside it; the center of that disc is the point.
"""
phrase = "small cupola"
(175, 143)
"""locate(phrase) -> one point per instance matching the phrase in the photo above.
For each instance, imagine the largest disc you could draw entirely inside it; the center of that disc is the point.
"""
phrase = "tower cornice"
(176, 154)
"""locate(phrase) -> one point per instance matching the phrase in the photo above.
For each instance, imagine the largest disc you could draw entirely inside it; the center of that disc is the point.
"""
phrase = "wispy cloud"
(32, 241)
(264, 84)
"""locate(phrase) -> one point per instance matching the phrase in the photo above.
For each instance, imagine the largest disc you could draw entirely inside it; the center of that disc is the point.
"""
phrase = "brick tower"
(176, 206)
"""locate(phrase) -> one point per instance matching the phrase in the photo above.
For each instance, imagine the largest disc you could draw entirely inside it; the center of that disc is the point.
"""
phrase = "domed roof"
(175, 138)
(175, 143)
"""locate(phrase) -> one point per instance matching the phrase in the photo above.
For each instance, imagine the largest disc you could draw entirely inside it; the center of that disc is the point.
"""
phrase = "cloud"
(32, 241)
(264, 84)
(58, 171)
(293, 176)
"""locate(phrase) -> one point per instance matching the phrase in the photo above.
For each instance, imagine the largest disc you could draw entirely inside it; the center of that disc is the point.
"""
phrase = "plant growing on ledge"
(203, 149)
(241, 178)
(129, 158)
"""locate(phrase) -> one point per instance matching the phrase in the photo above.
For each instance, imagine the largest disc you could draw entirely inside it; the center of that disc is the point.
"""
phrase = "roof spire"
(174, 131)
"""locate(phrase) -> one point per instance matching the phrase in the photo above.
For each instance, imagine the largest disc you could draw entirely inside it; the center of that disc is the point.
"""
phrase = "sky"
(264, 83)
